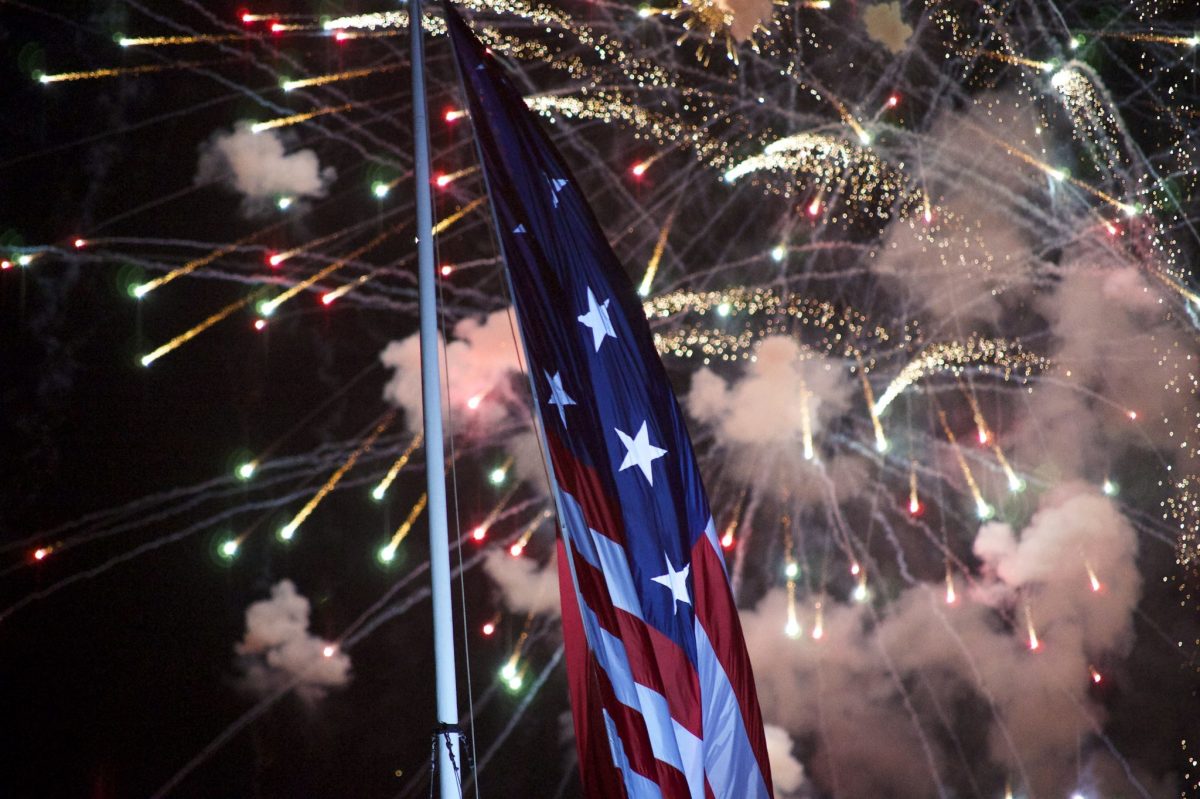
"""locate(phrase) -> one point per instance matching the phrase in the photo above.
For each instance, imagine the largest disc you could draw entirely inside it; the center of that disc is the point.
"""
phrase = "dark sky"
(113, 684)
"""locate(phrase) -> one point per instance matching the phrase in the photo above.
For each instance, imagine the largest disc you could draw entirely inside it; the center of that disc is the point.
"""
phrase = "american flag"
(661, 687)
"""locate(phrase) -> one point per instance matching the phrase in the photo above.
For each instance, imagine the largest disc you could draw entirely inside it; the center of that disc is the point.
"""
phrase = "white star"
(676, 581)
(556, 185)
(558, 396)
(641, 453)
(597, 319)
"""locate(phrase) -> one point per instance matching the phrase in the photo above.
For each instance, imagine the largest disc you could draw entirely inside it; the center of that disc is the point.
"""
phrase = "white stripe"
(728, 758)
(710, 530)
(605, 555)
(671, 742)
(637, 786)
(576, 527)
(615, 565)
(652, 706)
(611, 655)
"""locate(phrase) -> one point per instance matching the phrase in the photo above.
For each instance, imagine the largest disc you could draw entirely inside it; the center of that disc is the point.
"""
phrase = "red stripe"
(598, 776)
(582, 482)
(591, 690)
(661, 665)
(631, 727)
(655, 660)
(718, 616)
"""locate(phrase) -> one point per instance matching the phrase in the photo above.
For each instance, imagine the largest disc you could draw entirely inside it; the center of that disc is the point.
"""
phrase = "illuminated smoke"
(747, 15)
(785, 397)
(524, 586)
(480, 360)
(258, 167)
(278, 649)
(869, 698)
(786, 771)
(885, 26)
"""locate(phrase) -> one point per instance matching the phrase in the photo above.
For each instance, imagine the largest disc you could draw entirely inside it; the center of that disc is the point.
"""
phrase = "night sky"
(112, 685)
(117, 649)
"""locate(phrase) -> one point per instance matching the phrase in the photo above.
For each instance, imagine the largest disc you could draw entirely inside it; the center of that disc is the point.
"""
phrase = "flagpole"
(448, 757)
(539, 424)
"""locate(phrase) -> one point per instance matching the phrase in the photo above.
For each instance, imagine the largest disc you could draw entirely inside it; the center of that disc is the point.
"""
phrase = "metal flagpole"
(448, 758)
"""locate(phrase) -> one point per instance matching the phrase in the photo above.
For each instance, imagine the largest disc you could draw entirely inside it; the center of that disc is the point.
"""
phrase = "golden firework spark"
(288, 531)
(191, 333)
(295, 119)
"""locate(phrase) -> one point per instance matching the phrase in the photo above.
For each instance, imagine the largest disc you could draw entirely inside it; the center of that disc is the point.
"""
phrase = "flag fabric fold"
(661, 686)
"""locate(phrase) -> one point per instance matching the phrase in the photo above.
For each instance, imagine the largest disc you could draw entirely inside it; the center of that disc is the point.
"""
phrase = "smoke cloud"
(747, 15)
(881, 703)
(763, 406)
(787, 773)
(759, 418)
(257, 167)
(278, 649)
(885, 26)
(1110, 343)
(524, 586)
(478, 366)
(481, 364)
(976, 264)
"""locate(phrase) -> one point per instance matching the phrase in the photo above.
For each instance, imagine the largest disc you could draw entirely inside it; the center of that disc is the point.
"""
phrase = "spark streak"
(163, 41)
(273, 304)
(818, 631)
(987, 437)
(116, 72)
(914, 501)
(381, 488)
(388, 553)
(982, 508)
(289, 529)
(1034, 643)
(1010, 58)
(806, 426)
(294, 119)
(1156, 38)
(190, 334)
(792, 629)
(444, 224)
(655, 257)
(522, 541)
(321, 80)
(192, 266)
(481, 530)
(881, 442)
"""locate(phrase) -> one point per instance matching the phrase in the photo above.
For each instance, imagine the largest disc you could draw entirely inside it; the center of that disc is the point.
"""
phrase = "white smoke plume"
(478, 365)
(885, 26)
(760, 418)
(482, 365)
(524, 586)
(978, 263)
(763, 406)
(747, 15)
(258, 167)
(278, 649)
(787, 773)
(877, 701)
(1110, 339)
